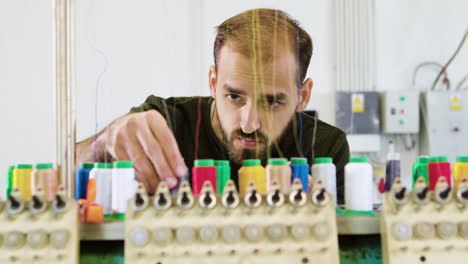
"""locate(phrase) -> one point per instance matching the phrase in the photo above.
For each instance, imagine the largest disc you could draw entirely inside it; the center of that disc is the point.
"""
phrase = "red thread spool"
(204, 170)
(438, 167)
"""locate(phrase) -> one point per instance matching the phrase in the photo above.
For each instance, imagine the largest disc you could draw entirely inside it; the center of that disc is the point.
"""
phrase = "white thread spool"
(324, 169)
(123, 185)
(358, 185)
(102, 176)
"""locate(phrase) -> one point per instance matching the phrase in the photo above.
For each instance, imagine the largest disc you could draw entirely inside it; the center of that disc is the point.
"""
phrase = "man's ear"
(304, 95)
(212, 80)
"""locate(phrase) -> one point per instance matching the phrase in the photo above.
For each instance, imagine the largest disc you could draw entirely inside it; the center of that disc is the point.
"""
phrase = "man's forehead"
(258, 63)
(237, 71)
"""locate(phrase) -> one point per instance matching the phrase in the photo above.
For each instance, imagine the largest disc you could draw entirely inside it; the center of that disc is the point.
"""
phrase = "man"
(258, 92)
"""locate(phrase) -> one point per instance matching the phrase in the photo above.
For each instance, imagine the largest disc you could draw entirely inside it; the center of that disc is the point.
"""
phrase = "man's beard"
(237, 156)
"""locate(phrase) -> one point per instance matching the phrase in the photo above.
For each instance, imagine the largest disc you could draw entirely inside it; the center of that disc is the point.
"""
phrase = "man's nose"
(250, 119)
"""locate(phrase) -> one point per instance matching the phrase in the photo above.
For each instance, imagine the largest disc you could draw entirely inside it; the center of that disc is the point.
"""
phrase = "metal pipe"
(64, 94)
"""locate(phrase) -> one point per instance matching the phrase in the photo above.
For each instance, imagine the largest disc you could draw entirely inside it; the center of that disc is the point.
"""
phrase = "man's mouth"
(249, 143)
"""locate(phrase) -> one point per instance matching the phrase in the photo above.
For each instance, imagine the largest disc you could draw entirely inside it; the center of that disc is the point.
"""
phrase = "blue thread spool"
(300, 169)
(82, 177)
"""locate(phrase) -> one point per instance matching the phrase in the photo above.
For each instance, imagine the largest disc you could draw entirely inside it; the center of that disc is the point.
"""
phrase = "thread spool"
(22, 180)
(101, 193)
(123, 187)
(252, 172)
(278, 171)
(223, 175)
(45, 176)
(438, 167)
(203, 170)
(420, 170)
(358, 185)
(9, 181)
(82, 177)
(392, 169)
(300, 170)
(460, 170)
(325, 170)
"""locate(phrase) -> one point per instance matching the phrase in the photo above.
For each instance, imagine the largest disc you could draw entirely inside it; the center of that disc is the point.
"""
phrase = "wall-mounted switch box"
(400, 112)
(444, 130)
(358, 112)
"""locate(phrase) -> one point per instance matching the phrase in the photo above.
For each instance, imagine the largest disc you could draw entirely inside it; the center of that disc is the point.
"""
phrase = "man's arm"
(146, 140)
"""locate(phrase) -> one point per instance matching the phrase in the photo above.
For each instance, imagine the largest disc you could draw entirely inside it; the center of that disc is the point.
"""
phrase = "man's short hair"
(256, 29)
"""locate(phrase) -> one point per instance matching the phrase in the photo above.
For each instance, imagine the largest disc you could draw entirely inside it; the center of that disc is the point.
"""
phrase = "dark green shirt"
(183, 113)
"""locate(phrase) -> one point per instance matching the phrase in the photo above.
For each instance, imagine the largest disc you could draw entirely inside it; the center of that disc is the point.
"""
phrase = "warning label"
(455, 102)
(357, 103)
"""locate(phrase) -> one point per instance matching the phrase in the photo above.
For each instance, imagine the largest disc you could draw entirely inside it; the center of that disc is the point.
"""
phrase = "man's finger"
(145, 171)
(120, 153)
(155, 154)
(165, 137)
(310, 182)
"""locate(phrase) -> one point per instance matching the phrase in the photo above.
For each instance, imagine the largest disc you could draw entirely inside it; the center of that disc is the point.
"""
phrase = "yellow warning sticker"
(379, 171)
(357, 103)
(455, 102)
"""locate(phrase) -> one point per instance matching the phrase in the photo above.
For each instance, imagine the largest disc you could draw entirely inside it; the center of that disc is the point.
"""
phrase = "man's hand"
(310, 182)
(146, 140)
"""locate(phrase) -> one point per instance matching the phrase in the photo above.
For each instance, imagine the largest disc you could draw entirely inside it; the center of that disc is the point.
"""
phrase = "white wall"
(147, 47)
(411, 32)
(26, 84)
(164, 47)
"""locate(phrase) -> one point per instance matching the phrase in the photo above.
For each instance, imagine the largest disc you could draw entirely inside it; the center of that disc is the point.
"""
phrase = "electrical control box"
(275, 228)
(400, 112)
(358, 115)
(358, 112)
(444, 129)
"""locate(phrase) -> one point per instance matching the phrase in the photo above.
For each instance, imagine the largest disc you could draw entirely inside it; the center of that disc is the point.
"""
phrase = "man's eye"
(234, 97)
(274, 102)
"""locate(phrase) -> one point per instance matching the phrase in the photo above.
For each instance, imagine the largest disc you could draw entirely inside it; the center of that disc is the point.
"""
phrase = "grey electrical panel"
(358, 112)
(444, 126)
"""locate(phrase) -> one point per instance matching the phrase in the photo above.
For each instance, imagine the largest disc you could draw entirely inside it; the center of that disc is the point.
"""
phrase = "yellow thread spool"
(252, 171)
(22, 180)
(460, 170)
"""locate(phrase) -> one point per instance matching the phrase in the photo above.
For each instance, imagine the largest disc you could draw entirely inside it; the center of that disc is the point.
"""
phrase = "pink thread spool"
(278, 170)
(44, 175)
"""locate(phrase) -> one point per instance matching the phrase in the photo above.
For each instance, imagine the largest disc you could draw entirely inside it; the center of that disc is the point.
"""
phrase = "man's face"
(255, 101)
